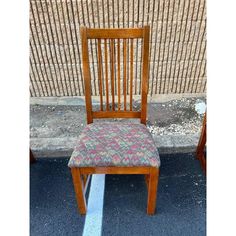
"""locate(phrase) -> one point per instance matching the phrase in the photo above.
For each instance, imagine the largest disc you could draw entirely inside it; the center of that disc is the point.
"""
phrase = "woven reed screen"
(177, 42)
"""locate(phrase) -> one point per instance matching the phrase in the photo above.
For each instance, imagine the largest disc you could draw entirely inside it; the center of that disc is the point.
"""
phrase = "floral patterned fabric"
(115, 144)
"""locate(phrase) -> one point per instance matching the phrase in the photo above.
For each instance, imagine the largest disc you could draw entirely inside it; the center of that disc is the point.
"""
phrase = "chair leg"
(84, 179)
(79, 190)
(152, 190)
(147, 180)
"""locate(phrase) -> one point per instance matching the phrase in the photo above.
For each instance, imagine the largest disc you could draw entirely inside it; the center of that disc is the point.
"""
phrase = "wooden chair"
(201, 146)
(115, 147)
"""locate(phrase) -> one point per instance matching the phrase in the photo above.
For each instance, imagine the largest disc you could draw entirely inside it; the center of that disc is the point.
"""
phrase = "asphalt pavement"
(181, 202)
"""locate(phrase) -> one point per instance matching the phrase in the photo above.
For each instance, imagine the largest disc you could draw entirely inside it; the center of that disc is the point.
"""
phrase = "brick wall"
(177, 42)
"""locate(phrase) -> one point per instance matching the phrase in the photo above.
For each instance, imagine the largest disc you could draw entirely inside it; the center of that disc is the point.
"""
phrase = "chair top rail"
(114, 33)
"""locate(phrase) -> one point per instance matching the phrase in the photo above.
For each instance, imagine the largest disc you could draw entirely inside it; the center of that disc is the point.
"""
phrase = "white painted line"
(93, 220)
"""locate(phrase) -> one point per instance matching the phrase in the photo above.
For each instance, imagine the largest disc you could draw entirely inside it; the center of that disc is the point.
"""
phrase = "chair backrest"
(114, 58)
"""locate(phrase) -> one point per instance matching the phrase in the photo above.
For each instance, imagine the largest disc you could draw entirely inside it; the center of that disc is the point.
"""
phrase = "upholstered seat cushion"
(115, 144)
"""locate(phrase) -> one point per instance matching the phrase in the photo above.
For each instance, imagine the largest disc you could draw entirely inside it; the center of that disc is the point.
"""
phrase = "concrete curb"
(55, 129)
(63, 147)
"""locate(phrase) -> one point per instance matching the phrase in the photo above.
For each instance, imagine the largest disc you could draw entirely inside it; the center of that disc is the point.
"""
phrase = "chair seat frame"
(80, 185)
